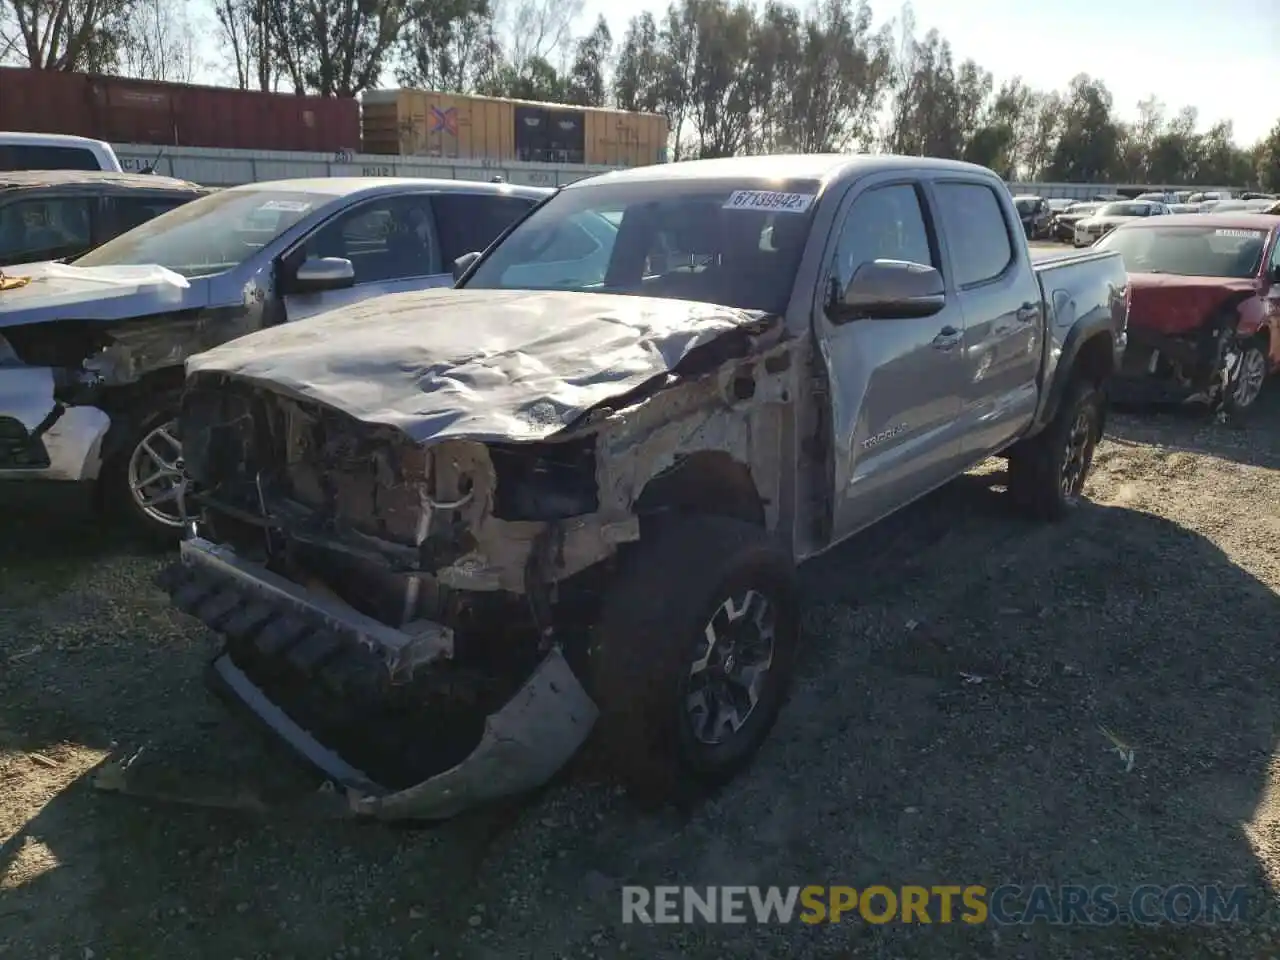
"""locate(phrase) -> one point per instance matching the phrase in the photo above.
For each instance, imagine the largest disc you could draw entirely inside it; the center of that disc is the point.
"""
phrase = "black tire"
(129, 428)
(1047, 473)
(652, 620)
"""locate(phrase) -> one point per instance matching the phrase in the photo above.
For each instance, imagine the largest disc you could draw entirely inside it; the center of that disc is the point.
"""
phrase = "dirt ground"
(945, 728)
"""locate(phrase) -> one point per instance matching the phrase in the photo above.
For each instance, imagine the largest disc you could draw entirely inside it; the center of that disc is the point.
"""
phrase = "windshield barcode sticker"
(769, 200)
(1238, 234)
(288, 206)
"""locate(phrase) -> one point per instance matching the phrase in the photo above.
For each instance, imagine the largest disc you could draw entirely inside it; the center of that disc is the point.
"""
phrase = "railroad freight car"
(454, 126)
(122, 110)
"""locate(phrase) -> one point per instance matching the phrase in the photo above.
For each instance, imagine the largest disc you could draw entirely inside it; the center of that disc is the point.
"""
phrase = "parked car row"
(1082, 224)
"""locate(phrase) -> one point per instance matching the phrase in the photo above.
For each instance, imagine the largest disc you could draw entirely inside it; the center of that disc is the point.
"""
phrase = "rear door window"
(977, 234)
(469, 222)
(34, 157)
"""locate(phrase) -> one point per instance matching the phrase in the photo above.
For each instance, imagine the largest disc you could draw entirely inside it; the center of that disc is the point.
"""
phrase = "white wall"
(227, 168)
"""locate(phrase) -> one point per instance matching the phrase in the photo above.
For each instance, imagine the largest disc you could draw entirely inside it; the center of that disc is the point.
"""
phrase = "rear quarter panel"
(1085, 297)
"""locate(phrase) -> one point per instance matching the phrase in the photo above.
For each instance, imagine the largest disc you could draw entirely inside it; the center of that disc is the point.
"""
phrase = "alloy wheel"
(155, 475)
(731, 666)
(1075, 464)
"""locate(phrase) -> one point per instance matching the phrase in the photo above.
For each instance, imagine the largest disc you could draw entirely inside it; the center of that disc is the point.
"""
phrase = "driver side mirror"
(889, 290)
(319, 274)
(1275, 273)
(463, 264)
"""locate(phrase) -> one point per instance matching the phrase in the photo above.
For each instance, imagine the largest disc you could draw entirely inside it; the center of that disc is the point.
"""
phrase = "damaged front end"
(67, 360)
(50, 428)
(1199, 364)
(414, 617)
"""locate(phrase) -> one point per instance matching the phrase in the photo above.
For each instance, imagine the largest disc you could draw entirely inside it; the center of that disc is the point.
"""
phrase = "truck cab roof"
(825, 167)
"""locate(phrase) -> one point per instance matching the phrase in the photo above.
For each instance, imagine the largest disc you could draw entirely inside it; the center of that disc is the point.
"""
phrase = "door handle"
(1028, 312)
(947, 337)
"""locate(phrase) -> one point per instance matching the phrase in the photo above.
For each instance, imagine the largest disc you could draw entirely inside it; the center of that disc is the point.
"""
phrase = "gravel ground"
(944, 729)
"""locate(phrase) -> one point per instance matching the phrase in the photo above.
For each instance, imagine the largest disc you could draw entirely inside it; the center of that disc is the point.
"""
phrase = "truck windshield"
(1188, 251)
(209, 235)
(735, 243)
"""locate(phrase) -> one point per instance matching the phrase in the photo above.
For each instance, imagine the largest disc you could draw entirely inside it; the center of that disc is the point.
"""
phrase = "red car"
(1204, 307)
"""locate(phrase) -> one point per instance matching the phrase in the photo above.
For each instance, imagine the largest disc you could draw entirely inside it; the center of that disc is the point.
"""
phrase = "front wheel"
(142, 477)
(1246, 376)
(1047, 473)
(692, 655)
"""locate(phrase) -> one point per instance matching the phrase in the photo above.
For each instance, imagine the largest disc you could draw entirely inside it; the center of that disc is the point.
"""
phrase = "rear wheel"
(692, 656)
(1047, 473)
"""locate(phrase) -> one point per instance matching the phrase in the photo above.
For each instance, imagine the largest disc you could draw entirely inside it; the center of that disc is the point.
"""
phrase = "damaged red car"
(1204, 310)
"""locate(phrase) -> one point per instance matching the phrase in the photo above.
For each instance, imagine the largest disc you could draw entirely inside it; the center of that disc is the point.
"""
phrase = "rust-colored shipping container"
(122, 110)
(455, 126)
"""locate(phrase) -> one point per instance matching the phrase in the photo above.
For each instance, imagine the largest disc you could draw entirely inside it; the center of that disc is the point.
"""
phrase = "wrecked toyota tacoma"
(91, 352)
(450, 536)
(1204, 324)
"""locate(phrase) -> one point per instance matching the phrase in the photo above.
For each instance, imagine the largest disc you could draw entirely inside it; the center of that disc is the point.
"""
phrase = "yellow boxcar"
(456, 126)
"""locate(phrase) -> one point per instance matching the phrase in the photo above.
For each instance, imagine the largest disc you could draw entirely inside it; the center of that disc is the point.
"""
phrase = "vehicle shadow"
(946, 727)
(1253, 442)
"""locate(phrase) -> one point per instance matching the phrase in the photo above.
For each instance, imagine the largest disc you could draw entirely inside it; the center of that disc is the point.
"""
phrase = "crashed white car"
(91, 352)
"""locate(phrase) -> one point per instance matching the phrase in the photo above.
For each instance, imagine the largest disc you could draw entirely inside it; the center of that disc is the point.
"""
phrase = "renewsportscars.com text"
(942, 904)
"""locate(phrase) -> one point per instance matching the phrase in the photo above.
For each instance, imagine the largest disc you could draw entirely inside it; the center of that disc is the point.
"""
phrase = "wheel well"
(1095, 360)
(709, 482)
(165, 380)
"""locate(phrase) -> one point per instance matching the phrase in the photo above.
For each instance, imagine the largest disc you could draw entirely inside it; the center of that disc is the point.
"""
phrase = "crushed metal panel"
(524, 366)
(142, 346)
(523, 746)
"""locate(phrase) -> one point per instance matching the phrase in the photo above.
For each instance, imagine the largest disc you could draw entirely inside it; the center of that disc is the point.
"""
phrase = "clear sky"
(1221, 56)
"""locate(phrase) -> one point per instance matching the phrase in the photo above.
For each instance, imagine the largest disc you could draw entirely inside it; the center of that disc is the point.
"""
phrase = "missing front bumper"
(340, 665)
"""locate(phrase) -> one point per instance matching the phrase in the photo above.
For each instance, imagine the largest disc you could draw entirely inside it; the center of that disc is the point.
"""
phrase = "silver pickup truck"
(446, 535)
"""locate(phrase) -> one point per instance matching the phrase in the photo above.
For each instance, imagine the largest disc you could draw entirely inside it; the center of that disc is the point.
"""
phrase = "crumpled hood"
(1170, 304)
(60, 291)
(485, 364)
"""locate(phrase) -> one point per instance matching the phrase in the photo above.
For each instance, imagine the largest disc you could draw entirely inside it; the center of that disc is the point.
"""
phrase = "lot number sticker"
(288, 206)
(1238, 234)
(769, 200)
